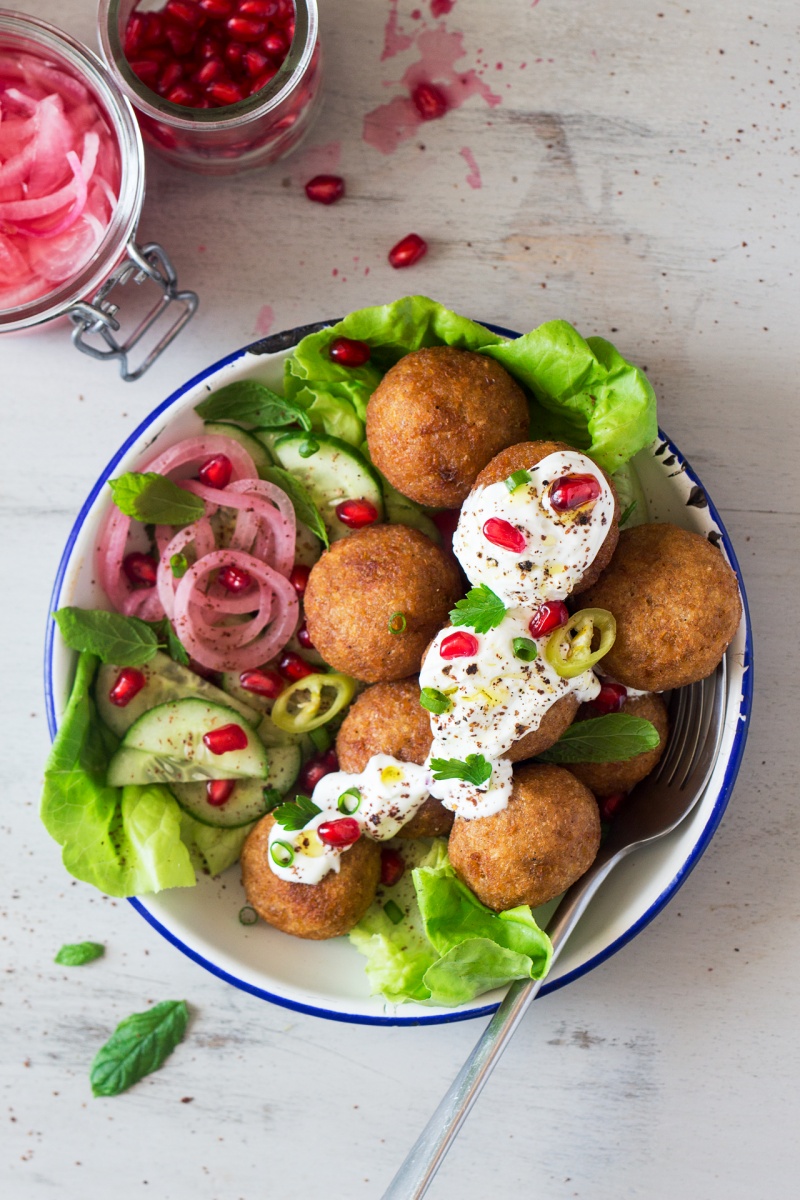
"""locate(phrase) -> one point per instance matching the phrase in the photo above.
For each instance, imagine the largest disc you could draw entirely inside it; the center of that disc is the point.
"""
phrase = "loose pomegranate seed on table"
(356, 514)
(265, 682)
(573, 491)
(504, 534)
(459, 645)
(226, 738)
(342, 832)
(293, 667)
(348, 352)
(140, 569)
(548, 617)
(219, 791)
(299, 578)
(408, 251)
(128, 684)
(325, 189)
(216, 471)
(429, 101)
(392, 866)
(610, 698)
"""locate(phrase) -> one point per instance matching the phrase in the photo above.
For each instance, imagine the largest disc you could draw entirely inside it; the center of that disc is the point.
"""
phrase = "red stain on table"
(264, 320)
(316, 160)
(440, 8)
(394, 40)
(474, 177)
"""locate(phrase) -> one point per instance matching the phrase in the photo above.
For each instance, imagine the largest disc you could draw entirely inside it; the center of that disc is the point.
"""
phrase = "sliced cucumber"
(250, 798)
(142, 766)
(175, 731)
(335, 472)
(252, 445)
(267, 436)
(166, 680)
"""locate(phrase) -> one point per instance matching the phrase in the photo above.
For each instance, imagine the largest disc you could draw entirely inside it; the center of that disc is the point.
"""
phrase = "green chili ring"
(312, 701)
(569, 650)
(344, 804)
(285, 853)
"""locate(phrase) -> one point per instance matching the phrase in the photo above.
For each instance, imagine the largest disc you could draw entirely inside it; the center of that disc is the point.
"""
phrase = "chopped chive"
(179, 565)
(321, 738)
(628, 512)
(247, 915)
(517, 479)
(349, 802)
(397, 623)
(308, 447)
(434, 700)
(282, 854)
(524, 648)
(393, 911)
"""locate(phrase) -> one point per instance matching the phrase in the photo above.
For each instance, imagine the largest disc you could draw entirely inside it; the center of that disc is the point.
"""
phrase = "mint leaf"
(252, 403)
(475, 769)
(139, 1045)
(124, 641)
(480, 608)
(169, 639)
(75, 954)
(304, 507)
(613, 738)
(152, 498)
(295, 814)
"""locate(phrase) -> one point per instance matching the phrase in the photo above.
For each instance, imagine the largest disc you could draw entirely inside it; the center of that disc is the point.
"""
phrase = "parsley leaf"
(474, 770)
(252, 403)
(615, 737)
(138, 1045)
(295, 814)
(304, 507)
(480, 608)
(124, 641)
(75, 954)
(152, 498)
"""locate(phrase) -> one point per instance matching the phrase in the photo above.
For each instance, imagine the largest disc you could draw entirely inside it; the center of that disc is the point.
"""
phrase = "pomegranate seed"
(292, 666)
(610, 698)
(147, 70)
(429, 102)
(355, 514)
(185, 12)
(140, 569)
(225, 739)
(171, 76)
(304, 637)
(235, 579)
(349, 353)
(325, 189)
(153, 30)
(299, 578)
(392, 867)
(254, 62)
(258, 8)
(610, 805)
(573, 491)
(446, 522)
(135, 32)
(212, 68)
(315, 769)
(219, 791)
(217, 8)
(263, 683)
(408, 251)
(181, 39)
(245, 29)
(209, 47)
(276, 45)
(234, 54)
(459, 645)
(342, 832)
(548, 617)
(504, 534)
(263, 80)
(216, 471)
(224, 92)
(128, 684)
(182, 94)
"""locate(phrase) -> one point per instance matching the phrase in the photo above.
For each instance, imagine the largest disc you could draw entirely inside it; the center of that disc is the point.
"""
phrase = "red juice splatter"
(264, 320)
(394, 41)
(440, 8)
(474, 177)
(316, 160)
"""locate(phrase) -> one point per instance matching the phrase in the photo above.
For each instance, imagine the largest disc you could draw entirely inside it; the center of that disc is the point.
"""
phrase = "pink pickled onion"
(265, 524)
(201, 536)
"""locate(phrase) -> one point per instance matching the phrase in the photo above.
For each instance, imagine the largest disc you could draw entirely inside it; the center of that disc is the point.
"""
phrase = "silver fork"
(653, 809)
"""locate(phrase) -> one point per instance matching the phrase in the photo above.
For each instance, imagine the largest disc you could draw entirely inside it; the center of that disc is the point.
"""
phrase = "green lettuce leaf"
(212, 849)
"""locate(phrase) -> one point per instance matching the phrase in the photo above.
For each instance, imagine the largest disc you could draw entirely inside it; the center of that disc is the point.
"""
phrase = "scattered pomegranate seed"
(216, 471)
(304, 637)
(356, 514)
(140, 569)
(548, 617)
(219, 791)
(315, 769)
(573, 491)
(610, 805)
(610, 698)
(446, 522)
(429, 101)
(347, 352)
(293, 667)
(128, 684)
(392, 866)
(459, 645)
(342, 832)
(226, 738)
(235, 579)
(262, 683)
(325, 189)
(408, 251)
(503, 533)
(299, 578)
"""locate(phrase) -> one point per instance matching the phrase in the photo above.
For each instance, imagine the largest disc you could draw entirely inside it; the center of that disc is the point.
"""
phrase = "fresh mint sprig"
(304, 507)
(252, 403)
(153, 499)
(615, 737)
(77, 954)
(139, 1045)
(124, 641)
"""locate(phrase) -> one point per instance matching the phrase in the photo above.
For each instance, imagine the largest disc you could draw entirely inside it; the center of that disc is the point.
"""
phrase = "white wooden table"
(640, 178)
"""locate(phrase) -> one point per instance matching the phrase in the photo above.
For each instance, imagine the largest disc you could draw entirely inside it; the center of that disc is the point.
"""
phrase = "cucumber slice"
(176, 731)
(250, 798)
(336, 472)
(141, 766)
(252, 445)
(267, 436)
(166, 680)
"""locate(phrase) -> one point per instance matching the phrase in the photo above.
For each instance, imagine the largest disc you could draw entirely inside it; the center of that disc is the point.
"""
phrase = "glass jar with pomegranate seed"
(71, 194)
(219, 86)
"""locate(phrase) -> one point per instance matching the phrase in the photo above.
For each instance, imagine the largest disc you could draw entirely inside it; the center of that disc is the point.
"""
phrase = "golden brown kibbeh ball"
(604, 779)
(526, 455)
(317, 911)
(361, 582)
(531, 851)
(676, 603)
(388, 719)
(437, 417)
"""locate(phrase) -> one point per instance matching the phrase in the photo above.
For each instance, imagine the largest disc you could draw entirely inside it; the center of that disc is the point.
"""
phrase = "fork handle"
(427, 1154)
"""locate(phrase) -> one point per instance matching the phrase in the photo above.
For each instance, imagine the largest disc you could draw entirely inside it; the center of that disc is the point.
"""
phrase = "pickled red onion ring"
(201, 536)
(265, 523)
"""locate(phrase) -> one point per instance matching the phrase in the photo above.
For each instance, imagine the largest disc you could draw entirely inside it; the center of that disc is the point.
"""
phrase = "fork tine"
(686, 733)
(694, 730)
(677, 713)
(705, 756)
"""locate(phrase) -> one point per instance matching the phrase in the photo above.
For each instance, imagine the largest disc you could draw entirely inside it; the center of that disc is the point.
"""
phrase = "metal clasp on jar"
(99, 315)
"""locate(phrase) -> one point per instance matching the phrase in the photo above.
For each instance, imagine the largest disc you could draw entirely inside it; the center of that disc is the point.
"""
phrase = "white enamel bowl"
(328, 978)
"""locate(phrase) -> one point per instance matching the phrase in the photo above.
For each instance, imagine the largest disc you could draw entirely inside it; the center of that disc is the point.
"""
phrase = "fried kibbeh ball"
(388, 719)
(676, 603)
(363, 581)
(604, 779)
(531, 851)
(436, 419)
(558, 717)
(526, 455)
(317, 911)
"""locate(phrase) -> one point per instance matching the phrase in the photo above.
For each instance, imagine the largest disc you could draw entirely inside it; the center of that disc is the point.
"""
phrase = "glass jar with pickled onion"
(219, 86)
(71, 194)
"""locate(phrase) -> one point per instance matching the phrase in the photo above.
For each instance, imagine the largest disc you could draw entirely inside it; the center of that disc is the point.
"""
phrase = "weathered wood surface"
(639, 177)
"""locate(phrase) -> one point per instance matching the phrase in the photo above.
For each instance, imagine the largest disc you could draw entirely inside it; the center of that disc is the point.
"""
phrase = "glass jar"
(220, 141)
(116, 260)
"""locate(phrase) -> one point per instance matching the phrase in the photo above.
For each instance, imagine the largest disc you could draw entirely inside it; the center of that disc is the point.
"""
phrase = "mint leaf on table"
(304, 507)
(124, 641)
(474, 769)
(138, 1046)
(481, 609)
(295, 814)
(252, 403)
(613, 738)
(75, 954)
(153, 499)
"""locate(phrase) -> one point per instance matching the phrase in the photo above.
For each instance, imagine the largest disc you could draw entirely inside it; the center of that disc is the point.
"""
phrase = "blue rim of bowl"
(272, 345)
